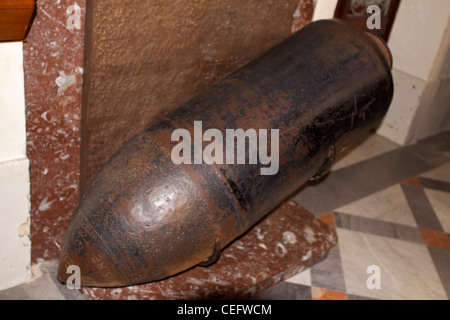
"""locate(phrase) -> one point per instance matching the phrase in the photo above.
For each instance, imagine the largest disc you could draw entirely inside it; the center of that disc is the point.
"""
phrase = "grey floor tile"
(285, 291)
(328, 273)
(435, 184)
(441, 173)
(441, 259)
(389, 205)
(377, 227)
(40, 289)
(440, 201)
(43, 287)
(421, 208)
(435, 150)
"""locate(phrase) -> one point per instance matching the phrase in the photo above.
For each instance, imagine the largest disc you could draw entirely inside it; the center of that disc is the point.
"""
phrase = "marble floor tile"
(406, 269)
(378, 227)
(435, 150)
(440, 201)
(441, 259)
(421, 208)
(440, 173)
(328, 273)
(43, 287)
(303, 278)
(370, 146)
(388, 205)
(435, 184)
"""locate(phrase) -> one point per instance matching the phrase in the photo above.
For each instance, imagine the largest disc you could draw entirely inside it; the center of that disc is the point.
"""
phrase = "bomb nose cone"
(107, 255)
(94, 267)
(141, 220)
(119, 245)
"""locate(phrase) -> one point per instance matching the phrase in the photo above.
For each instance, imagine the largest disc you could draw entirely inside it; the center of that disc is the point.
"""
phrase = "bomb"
(145, 217)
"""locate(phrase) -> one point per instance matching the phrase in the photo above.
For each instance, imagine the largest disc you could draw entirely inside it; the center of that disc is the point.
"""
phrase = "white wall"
(15, 244)
(433, 113)
(417, 35)
(420, 46)
(324, 9)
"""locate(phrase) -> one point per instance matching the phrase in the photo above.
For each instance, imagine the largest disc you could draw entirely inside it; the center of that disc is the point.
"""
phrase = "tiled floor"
(43, 286)
(390, 207)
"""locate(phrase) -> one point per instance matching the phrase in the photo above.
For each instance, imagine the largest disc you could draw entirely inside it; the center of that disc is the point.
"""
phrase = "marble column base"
(285, 242)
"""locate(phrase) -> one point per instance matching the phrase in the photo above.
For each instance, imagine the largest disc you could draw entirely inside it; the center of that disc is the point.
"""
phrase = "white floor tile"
(389, 205)
(440, 173)
(440, 201)
(303, 278)
(369, 147)
(406, 269)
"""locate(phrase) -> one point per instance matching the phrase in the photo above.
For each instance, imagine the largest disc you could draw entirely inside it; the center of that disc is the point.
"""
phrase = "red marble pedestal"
(287, 241)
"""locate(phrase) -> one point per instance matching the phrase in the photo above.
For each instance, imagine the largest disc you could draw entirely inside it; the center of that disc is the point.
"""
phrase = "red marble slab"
(53, 68)
(287, 241)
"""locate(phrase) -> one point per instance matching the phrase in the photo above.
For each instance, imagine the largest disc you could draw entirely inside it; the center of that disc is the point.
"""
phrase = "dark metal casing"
(145, 218)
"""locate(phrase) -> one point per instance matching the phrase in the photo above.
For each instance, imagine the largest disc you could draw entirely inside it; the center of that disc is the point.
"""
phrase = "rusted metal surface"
(144, 218)
(284, 243)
